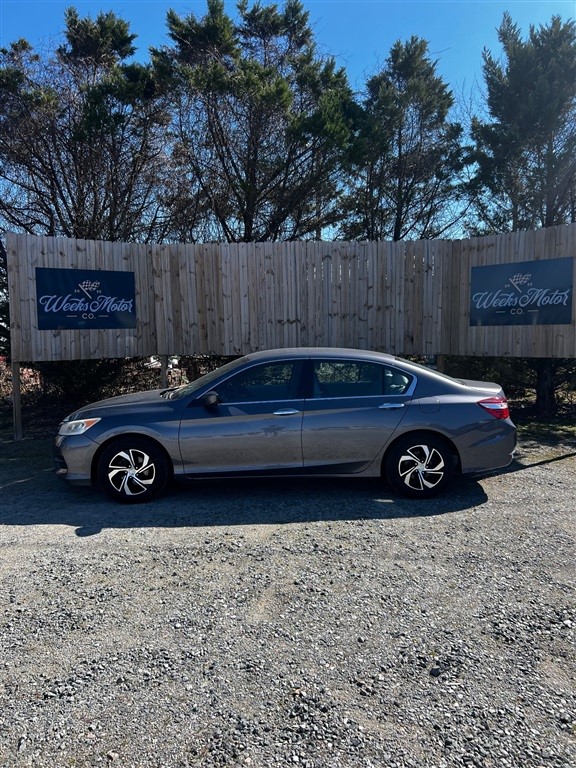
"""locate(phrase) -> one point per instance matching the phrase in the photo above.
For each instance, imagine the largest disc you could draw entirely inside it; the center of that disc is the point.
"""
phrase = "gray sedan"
(309, 411)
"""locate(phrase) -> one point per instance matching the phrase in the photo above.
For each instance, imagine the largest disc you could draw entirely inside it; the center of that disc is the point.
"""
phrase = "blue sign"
(85, 299)
(523, 293)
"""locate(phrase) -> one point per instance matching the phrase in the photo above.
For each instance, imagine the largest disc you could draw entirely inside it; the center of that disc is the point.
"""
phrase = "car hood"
(134, 401)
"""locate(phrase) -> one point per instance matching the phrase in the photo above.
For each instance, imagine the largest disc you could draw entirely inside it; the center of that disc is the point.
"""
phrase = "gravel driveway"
(290, 623)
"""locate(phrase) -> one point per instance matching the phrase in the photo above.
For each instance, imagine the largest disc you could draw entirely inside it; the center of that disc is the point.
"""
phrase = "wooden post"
(163, 371)
(437, 362)
(16, 401)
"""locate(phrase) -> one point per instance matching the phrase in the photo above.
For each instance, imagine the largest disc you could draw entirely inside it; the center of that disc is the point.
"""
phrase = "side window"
(347, 378)
(396, 382)
(271, 381)
(350, 378)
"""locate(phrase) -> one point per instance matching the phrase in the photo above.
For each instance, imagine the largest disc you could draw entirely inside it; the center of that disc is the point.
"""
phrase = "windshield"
(193, 386)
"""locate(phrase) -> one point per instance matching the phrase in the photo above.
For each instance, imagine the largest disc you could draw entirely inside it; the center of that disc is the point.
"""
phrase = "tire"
(420, 466)
(133, 470)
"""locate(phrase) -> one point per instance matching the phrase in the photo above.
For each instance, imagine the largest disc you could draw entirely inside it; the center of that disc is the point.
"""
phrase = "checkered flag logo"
(87, 286)
(519, 279)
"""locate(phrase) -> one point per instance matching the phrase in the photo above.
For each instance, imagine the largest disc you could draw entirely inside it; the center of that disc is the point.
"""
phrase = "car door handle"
(390, 406)
(286, 412)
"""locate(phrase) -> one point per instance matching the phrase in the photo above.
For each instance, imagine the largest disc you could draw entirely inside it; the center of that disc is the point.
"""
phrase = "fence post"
(16, 401)
(163, 371)
(437, 362)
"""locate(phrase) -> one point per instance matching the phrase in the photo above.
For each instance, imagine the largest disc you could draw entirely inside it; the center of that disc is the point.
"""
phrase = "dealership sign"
(523, 293)
(85, 299)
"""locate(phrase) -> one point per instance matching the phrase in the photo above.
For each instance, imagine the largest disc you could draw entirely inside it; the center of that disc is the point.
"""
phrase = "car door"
(255, 427)
(354, 409)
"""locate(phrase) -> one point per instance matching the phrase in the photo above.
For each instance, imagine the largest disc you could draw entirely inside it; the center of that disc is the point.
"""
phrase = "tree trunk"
(545, 391)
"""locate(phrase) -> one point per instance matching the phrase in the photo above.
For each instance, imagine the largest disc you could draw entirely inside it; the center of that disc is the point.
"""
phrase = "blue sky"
(359, 33)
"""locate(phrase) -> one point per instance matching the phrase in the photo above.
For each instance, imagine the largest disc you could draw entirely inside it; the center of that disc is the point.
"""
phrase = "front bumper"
(73, 459)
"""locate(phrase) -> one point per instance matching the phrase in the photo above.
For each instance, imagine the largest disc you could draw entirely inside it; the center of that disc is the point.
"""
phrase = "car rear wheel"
(133, 470)
(420, 465)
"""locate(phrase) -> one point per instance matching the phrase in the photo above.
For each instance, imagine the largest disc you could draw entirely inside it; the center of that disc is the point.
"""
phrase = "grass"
(551, 430)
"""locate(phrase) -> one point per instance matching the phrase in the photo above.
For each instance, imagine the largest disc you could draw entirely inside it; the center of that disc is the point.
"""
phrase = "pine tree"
(409, 152)
(526, 151)
(81, 136)
(261, 121)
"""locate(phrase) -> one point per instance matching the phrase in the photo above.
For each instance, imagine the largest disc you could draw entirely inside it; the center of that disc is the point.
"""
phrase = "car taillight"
(497, 406)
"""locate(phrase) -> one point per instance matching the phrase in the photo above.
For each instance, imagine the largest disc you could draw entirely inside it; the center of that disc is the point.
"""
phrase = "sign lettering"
(85, 299)
(524, 293)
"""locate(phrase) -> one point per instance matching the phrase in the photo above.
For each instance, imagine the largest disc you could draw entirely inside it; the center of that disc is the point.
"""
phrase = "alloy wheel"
(131, 472)
(421, 467)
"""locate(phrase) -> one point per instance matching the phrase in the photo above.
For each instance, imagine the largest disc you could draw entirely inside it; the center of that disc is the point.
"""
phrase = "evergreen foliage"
(409, 153)
(82, 137)
(526, 151)
(260, 123)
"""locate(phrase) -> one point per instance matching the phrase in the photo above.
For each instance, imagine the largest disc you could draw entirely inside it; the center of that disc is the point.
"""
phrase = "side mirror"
(210, 399)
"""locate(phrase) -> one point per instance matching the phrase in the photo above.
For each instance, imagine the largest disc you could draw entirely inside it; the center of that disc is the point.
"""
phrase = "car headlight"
(76, 427)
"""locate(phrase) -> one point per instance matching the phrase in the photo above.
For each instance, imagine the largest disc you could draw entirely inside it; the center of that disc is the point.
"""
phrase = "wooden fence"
(404, 298)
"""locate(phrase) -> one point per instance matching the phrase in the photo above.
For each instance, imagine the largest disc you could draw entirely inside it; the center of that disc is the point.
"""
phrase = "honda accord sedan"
(286, 412)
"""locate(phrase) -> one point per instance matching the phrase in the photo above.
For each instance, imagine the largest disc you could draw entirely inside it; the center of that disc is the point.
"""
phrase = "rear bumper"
(489, 448)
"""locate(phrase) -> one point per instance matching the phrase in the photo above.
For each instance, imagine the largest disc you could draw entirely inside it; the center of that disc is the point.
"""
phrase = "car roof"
(306, 352)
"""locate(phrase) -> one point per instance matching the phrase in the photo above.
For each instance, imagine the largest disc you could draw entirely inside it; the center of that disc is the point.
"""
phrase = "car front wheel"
(133, 470)
(419, 466)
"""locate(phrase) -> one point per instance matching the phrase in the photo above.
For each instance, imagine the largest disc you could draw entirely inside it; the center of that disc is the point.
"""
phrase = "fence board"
(405, 298)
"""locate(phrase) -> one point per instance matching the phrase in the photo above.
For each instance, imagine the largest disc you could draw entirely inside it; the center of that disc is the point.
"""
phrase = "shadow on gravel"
(37, 497)
(523, 462)
(41, 499)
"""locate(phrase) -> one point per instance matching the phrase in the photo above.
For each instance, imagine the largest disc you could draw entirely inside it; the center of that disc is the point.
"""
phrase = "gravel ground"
(290, 623)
